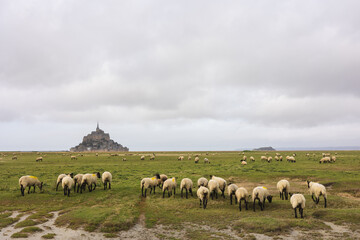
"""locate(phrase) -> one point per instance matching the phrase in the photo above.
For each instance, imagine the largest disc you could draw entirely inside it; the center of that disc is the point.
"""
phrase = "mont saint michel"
(98, 140)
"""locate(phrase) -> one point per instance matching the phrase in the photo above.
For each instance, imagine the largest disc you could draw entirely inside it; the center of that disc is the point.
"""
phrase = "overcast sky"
(180, 75)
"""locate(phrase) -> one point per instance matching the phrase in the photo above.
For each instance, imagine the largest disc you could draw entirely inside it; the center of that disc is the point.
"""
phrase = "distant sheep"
(244, 158)
(231, 191)
(276, 158)
(202, 182)
(325, 160)
(203, 195)
(29, 181)
(73, 157)
(169, 185)
(180, 158)
(290, 159)
(242, 194)
(124, 159)
(39, 159)
(333, 159)
(196, 159)
(261, 194)
(187, 184)
(67, 184)
(222, 184)
(14, 158)
(106, 178)
(283, 186)
(263, 158)
(269, 159)
(243, 163)
(206, 160)
(298, 201)
(252, 158)
(317, 189)
(142, 157)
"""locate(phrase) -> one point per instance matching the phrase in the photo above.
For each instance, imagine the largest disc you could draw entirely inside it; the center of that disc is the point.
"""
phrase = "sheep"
(149, 183)
(298, 201)
(243, 163)
(244, 158)
(77, 180)
(152, 157)
(222, 184)
(231, 191)
(14, 158)
(206, 160)
(106, 178)
(89, 179)
(283, 186)
(326, 154)
(325, 160)
(161, 180)
(67, 183)
(203, 195)
(169, 185)
(39, 159)
(187, 184)
(333, 159)
(263, 158)
(124, 159)
(290, 159)
(294, 154)
(276, 158)
(180, 158)
(269, 159)
(202, 182)
(60, 178)
(196, 159)
(213, 188)
(261, 194)
(281, 158)
(96, 154)
(277, 154)
(29, 181)
(189, 157)
(73, 158)
(317, 189)
(241, 194)
(252, 158)
(142, 157)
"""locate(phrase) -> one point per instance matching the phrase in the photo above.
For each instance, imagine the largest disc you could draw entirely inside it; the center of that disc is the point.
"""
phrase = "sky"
(180, 75)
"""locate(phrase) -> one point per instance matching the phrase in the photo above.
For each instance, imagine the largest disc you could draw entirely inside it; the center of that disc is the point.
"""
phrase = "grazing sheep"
(243, 163)
(277, 154)
(14, 158)
(89, 179)
(196, 159)
(77, 180)
(73, 157)
(298, 201)
(142, 157)
(263, 158)
(187, 184)
(276, 158)
(231, 191)
(206, 160)
(213, 188)
(333, 159)
(244, 158)
(294, 154)
(169, 185)
(161, 180)
(29, 181)
(97, 154)
(180, 158)
(39, 159)
(152, 157)
(325, 160)
(106, 178)
(189, 157)
(222, 184)
(281, 158)
(290, 159)
(67, 183)
(203, 195)
(241, 194)
(261, 194)
(202, 182)
(124, 159)
(269, 159)
(317, 189)
(60, 178)
(149, 183)
(252, 158)
(283, 186)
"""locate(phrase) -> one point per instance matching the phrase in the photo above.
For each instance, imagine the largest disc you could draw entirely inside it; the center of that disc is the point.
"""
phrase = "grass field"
(120, 208)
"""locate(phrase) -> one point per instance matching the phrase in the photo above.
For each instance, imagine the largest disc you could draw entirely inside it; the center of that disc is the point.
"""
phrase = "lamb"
(222, 184)
(243, 163)
(67, 183)
(77, 180)
(317, 189)
(298, 201)
(283, 186)
(213, 188)
(161, 180)
(206, 160)
(261, 194)
(241, 194)
(203, 195)
(73, 157)
(142, 157)
(196, 159)
(106, 178)
(202, 182)
(29, 181)
(149, 183)
(60, 178)
(89, 179)
(252, 158)
(39, 159)
(263, 158)
(231, 191)
(187, 184)
(169, 185)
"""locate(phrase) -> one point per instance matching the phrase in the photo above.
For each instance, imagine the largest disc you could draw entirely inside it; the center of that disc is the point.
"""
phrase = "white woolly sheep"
(67, 183)
(89, 179)
(317, 189)
(222, 184)
(206, 160)
(244, 158)
(325, 160)
(187, 184)
(290, 159)
(203, 195)
(149, 183)
(161, 180)
(243, 163)
(14, 158)
(261, 194)
(213, 188)
(124, 159)
(106, 178)
(29, 181)
(269, 159)
(77, 180)
(196, 159)
(294, 154)
(142, 157)
(242, 194)
(277, 154)
(252, 158)
(276, 158)
(189, 157)
(298, 201)
(73, 157)
(263, 158)
(169, 185)
(39, 159)
(333, 159)
(231, 191)
(60, 178)
(202, 182)
(180, 158)
(281, 158)
(283, 186)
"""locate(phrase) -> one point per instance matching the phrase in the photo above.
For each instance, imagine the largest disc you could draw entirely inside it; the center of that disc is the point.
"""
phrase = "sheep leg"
(254, 204)
(154, 189)
(22, 190)
(150, 190)
(216, 194)
(105, 184)
(318, 200)
(29, 190)
(264, 200)
(200, 203)
(236, 201)
(281, 195)
(246, 203)
(312, 196)
(325, 201)
(205, 203)
(78, 187)
(57, 185)
(68, 192)
(262, 205)
(295, 213)
(34, 189)
(142, 190)
(94, 186)
(186, 193)
(174, 192)
(286, 194)
(223, 193)
(169, 192)
(301, 210)
(109, 185)
(240, 205)
(181, 192)
(75, 186)
(65, 191)
(190, 190)
(212, 196)
(230, 198)
(163, 193)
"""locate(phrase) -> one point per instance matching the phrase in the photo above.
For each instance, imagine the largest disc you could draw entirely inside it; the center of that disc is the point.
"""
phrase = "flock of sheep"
(211, 188)
(68, 181)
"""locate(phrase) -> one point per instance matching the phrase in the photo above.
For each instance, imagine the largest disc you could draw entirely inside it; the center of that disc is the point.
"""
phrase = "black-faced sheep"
(317, 189)
(261, 194)
(203, 195)
(187, 184)
(106, 179)
(169, 185)
(29, 181)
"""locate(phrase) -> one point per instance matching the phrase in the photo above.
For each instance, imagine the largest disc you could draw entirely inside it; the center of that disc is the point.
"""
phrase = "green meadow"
(120, 208)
